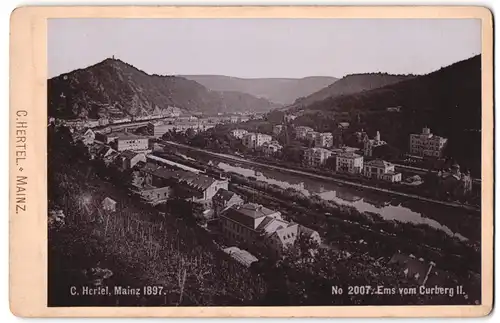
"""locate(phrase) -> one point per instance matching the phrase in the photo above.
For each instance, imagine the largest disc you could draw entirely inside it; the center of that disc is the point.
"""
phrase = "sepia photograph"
(264, 162)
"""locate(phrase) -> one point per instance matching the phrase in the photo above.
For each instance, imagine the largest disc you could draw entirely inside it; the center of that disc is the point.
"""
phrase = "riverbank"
(326, 178)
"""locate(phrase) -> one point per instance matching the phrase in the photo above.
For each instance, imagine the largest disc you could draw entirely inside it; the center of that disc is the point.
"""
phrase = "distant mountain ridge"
(280, 90)
(115, 88)
(352, 83)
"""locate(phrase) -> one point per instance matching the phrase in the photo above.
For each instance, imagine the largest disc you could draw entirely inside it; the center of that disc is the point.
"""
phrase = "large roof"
(246, 214)
(242, 256)
(349, 154)
(128, 154)
(127, 135)
(193, 180)
(378, 163)
(224, 195)
(306, 231)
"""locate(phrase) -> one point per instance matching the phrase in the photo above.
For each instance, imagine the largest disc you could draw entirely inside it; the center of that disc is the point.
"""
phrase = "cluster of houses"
(257, 141)
(249, 226)
(159, 128)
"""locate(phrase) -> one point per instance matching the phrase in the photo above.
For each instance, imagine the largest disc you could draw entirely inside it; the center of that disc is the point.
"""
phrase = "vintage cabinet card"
(251, 161)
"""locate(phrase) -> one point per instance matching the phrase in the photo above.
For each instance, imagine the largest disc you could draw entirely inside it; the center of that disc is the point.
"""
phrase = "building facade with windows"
(301, 132)
(254, 140)
(315, 157)
(380, 169)
(349, 162)
(238, 133)
(427, 144)
(258, 229)
(324, 139)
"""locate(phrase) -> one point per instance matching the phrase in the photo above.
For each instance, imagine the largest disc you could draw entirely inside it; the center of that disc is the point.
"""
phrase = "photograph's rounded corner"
(19, 12)
(485, 14)
(18, 309)
(486, 310)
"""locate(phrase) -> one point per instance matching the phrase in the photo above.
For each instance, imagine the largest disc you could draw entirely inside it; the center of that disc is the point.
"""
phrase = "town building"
(128, 141)
(105, 137)
(324, 139)
(370, 144)
(427, 144)
(154, 195)
(159, 128)
(380, 169)
(301, 132)
(315, 157)
(271, 148)
(225, 199)
(186, 185)
(238, 133)
(108, 204)
(360, 136)
(259, 229)
(86, 136)
(454, 183)
(311, 136)
(128, 159)
(277, 129)
(254, 140)
(310, 234)
(103, 121)
(106, 154)
(290, 117)
(343, 125)
(349, 162)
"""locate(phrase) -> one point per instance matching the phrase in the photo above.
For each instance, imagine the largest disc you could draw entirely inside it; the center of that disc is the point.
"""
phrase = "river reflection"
(389, 207)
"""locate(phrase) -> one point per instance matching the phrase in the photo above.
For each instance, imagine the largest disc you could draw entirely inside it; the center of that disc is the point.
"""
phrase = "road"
(327, 178)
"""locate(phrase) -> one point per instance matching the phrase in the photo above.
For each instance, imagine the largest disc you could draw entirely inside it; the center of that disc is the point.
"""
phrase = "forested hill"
(350, 84)
(447, 100)
(115, 88)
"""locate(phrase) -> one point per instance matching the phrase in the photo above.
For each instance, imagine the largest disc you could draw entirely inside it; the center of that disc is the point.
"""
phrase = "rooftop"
(193, 180)
(378, 163)
(224, 195)
(242, 256)
(128, 154)
(349, 154)
(125, 136)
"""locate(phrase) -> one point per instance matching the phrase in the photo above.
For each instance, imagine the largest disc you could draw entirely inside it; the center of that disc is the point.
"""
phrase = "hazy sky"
(264, 47)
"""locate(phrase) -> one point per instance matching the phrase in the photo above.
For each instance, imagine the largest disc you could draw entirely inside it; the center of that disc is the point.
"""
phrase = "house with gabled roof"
(259, 229)
(108, 204)
(224, 199)
(128, 159)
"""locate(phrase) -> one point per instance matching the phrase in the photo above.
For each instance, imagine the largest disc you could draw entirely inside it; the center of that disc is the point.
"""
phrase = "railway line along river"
(458, 222)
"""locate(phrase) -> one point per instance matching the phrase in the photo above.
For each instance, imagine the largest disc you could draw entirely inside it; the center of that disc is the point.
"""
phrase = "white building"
(369, 144)
(255, 140)
(301, 131)
(261, 229)
(238, 133)
(324, 139)
(315, 157)
(349, 162)
(427, 144)
(380, 169)
(128, 141)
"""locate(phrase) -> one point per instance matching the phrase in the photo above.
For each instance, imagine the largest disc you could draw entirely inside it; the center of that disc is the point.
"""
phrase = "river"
(389, 207)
